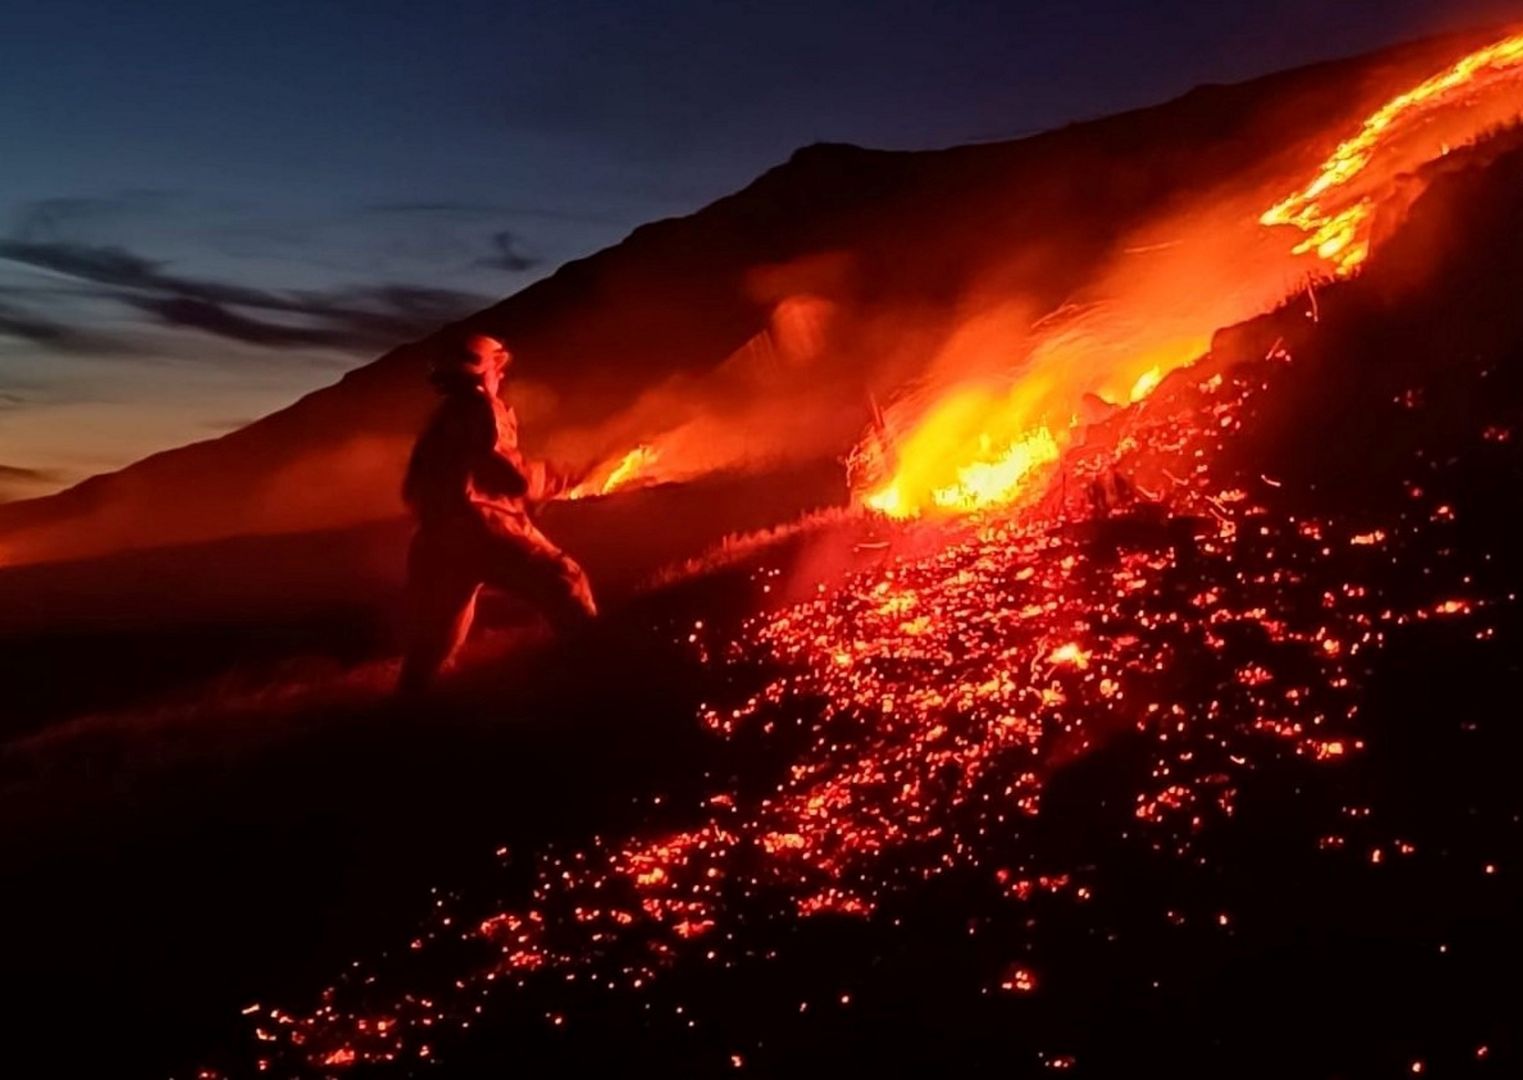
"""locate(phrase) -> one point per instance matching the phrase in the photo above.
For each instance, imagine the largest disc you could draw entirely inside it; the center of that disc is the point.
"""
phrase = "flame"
(989, 483)
(1341, 237)
(632, 468)
(974, 449)
(1146, 383)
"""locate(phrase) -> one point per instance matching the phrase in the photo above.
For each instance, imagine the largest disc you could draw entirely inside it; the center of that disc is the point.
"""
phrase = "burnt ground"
(162, 872)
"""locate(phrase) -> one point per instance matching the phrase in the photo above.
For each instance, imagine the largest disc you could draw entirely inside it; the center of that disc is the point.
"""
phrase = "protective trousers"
(452, 558)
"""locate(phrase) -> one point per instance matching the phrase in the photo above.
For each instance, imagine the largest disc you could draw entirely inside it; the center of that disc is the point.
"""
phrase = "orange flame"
(987, 482)
(1341, 237)
(632, 468)
(1146, 383)
(973, 449)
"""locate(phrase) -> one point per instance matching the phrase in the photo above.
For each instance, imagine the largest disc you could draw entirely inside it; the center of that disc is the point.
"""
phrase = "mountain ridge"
(679, 295)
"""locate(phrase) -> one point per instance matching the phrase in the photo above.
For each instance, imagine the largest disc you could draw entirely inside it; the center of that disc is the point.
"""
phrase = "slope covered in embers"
(772, 313)
(1183, 766)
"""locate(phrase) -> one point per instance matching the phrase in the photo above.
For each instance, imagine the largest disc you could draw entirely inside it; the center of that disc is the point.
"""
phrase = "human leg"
(440, 603)
(526, 563)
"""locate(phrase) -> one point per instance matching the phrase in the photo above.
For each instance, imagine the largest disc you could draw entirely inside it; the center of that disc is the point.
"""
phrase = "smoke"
(800, 389)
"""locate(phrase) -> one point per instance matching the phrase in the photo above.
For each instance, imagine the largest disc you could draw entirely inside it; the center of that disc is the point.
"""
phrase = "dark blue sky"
(209, 208)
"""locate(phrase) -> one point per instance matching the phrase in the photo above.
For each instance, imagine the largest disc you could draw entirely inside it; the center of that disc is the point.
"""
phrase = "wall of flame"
(982, 443)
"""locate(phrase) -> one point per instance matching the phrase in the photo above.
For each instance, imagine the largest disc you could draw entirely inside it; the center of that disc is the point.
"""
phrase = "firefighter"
(470, 490)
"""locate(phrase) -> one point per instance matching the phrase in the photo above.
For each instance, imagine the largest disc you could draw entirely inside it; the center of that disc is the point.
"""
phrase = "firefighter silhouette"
(470, 490)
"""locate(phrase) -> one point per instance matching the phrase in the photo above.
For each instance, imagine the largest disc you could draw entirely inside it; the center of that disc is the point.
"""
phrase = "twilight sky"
(209, 208)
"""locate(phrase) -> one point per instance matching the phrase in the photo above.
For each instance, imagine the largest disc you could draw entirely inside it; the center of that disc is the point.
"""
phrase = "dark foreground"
(160, 881)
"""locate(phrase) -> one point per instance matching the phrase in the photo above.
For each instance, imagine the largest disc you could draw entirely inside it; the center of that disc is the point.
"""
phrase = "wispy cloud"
(508, 253)
(493, 211)
(12, 473)
(18, 482)
(27, 325)
(192, 313)
(358, 319)
(228, 424)
(104, 265)
(62, 217)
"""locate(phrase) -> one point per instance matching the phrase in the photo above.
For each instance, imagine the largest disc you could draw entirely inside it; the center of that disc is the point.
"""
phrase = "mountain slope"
(649, 333)
(251, 854)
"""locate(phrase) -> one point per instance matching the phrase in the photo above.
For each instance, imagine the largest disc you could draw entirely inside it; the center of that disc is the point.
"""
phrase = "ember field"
(1200, 757)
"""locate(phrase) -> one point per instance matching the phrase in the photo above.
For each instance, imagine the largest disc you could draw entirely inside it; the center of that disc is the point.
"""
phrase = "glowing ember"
(1018, 980)
(1069, 654)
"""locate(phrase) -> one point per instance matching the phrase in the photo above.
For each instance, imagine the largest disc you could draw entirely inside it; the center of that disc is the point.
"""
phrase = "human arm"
(496, 469)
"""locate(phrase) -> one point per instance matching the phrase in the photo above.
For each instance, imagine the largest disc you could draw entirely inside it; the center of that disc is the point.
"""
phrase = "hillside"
(1211, 777)
(757, 331)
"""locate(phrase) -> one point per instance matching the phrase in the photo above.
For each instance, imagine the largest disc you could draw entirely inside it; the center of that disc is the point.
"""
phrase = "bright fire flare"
(632, 467)
(990, 483)
(1146, 383)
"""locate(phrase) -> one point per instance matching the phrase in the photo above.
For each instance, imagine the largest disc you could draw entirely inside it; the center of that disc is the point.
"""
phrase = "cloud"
(56, 218)
(16, 473)
(26, 325)
(469, 211)
(105, 265)
(453, 209)
(226, 424)
(412, 301)
(508, 255)
(382, 314)
(191, 313)
(359, 319)
(17, 482)
(119, 268)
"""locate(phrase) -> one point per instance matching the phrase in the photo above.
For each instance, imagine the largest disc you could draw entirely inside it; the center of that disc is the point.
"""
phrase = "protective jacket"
(468, 486)
(467, 460)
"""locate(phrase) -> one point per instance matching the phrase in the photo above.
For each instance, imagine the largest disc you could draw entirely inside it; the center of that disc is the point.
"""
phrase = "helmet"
(471, 357)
